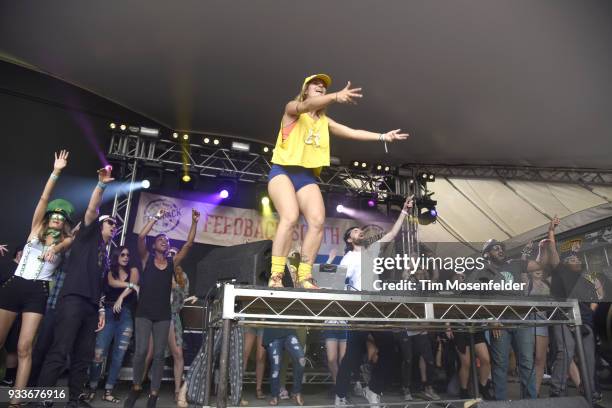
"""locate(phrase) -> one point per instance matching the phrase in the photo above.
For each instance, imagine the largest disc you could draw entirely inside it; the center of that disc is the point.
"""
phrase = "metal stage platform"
(289, 307)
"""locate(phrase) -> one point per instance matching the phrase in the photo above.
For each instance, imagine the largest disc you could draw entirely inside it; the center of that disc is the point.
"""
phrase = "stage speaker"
(245, 264)
(562, 402)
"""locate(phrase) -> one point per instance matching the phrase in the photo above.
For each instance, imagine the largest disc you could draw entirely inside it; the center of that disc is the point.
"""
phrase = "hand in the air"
(394, 135)
(61, 160)
(347, 94)
(195, 215)
(3, 249)
(104, 175)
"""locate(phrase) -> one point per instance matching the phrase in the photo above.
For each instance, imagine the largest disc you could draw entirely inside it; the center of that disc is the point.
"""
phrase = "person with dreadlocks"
(27, 290)
(154, 314)
(302, 150)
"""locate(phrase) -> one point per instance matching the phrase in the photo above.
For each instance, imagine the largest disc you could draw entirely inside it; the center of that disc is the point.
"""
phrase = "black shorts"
(462, 340)
(23, 295)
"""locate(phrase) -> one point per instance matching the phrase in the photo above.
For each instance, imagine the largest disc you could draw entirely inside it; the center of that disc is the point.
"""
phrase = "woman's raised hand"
(347, 94)
(61, 160)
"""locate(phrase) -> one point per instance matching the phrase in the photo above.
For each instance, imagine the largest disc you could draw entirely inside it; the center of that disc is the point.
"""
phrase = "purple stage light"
(340, 208)
(224, 194)
(433, 213)
(371, 203)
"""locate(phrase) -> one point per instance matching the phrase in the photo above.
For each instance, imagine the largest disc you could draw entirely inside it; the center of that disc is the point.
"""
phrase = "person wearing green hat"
(302, 150)
(27, 290)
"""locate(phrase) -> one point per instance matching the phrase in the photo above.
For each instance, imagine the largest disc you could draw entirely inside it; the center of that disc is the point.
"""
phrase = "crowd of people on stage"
(82, 304)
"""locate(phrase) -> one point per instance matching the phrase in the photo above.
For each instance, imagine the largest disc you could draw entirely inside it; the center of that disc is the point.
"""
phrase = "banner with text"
(226, 226)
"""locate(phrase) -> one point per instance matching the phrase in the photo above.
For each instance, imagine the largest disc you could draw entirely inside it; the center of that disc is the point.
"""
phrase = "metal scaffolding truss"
(249, 305)
(209, 160)
(543, 174)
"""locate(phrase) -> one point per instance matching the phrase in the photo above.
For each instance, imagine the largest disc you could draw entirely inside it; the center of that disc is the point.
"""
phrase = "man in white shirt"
(357, 246)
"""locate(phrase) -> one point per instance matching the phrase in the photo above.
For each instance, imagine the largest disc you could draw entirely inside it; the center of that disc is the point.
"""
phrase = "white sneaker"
(430, 394)
(340, 402)
(371, 396)
(407, 395)
(358, 390)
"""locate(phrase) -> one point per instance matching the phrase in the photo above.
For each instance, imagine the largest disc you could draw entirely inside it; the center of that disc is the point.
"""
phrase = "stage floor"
(313, 394)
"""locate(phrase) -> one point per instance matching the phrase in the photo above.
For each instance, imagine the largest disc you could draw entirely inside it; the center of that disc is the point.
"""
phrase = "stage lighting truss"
(213, 160)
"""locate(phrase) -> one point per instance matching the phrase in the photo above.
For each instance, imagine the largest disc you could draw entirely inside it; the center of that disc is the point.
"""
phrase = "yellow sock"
(304, 271)
(278, 265)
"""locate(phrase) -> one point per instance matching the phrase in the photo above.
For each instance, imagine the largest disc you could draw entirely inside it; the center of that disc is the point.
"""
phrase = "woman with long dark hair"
(302, 150)
(120, 289)
(27, 290)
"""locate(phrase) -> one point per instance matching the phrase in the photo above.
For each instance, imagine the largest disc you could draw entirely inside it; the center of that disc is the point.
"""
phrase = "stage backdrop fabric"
(226, 226)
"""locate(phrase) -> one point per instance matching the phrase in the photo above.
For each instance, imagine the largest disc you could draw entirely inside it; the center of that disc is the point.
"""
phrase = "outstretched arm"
(553, 259)
(104, 177)
(346, 132)
(294, 108)
(142, 237)
(195, 217)
(61, 160)
(390, 236)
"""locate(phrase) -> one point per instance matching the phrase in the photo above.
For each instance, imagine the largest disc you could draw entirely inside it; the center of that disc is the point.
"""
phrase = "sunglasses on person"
(112, 223)
(124, 254)
(57, 217)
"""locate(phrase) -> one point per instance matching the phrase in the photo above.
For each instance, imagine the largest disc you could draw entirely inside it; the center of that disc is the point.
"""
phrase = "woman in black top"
(153, 312)
(120, 289)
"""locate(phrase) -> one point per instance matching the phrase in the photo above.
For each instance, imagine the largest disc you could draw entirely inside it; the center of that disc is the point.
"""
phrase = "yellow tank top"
(307, 144)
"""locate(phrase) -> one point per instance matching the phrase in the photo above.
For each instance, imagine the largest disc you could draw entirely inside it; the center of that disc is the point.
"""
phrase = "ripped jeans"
(118, 330)
(275, 354)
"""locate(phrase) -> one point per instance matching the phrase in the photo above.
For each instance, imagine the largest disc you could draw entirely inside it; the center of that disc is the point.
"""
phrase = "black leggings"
(144, 329)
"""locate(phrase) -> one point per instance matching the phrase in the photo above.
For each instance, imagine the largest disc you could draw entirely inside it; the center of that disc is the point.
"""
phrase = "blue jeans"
(275, 354)
(523, 344)
(118, 330)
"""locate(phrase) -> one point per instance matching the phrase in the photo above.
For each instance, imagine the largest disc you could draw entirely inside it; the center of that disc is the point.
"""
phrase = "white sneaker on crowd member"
(407, 395)
(358, 390)
(340, 402)
(371, 396)
(430, 394)
(284, 394)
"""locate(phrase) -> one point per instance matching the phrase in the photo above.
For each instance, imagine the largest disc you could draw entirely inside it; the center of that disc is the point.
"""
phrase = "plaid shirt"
(54, 292)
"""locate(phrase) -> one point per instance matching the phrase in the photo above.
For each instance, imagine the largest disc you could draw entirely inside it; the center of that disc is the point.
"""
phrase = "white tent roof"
(475, 210)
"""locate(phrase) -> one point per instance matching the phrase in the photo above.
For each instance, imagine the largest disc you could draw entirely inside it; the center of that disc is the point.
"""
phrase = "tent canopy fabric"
(473, 81)
(475, 210)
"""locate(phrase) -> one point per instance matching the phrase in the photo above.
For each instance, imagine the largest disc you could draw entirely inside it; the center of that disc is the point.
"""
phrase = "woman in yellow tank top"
(302, 149)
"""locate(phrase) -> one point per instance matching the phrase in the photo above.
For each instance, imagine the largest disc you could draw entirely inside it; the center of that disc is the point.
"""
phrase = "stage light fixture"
(185, 137)
(241, 147)
(265, 201)
(175, 136)
(206, 140)
(432, 177)
(149, 132)
(364, 165)
(266, 149)
(216, 142)
(379, 167)
(145, 184)
(427, 212)
(371, 203)
(112, 125)
(224, 193)
(340, 208)
(387, 168)
(153, 174)
(226, 189)
(186, 178)
(355, 163)
(123, 127)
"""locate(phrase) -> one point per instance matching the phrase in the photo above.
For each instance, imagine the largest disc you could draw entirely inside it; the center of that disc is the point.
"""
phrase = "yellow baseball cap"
(325, 78)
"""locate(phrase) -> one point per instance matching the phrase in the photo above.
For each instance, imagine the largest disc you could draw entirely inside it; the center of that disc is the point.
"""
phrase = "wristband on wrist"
(54, 176)
(101, 185)
(101, 310)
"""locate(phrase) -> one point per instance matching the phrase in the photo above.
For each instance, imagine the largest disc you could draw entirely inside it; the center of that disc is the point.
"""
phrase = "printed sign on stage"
(226, 226)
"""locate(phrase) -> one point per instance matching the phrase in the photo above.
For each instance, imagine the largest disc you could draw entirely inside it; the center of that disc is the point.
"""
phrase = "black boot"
(152, 401)
(131, 398)
(464, 393)
(487, 391)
